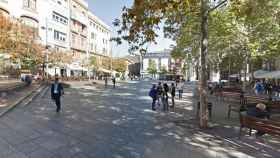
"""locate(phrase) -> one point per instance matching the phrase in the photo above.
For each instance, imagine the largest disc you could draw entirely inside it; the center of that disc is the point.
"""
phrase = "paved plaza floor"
(118, 123)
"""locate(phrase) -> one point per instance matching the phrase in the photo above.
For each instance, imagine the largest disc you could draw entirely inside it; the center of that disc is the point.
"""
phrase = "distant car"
(147, 78)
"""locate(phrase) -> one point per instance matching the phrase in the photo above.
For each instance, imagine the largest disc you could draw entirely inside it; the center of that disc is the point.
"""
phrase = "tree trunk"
(203, 53)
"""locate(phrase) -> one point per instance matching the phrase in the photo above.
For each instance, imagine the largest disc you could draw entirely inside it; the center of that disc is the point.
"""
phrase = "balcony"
(79, 17)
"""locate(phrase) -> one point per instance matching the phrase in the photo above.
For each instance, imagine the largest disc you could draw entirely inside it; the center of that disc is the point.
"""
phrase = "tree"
(152, 68)
(119, 65)
(60, 59)
(163, 70)
(139, 23)
(93, 63)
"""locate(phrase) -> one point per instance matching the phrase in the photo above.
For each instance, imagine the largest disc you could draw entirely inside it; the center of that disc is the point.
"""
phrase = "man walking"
(173, 91)
(165, 97)
(180, 87)
(114, 82)
(56, 93)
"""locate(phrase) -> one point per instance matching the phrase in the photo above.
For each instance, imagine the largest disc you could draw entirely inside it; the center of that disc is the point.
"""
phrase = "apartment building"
(99, 35)
(63, 26)
(25, 11)
(79, 33)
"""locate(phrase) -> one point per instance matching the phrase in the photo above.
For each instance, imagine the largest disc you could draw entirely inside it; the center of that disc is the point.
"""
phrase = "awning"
(260, 74)
(76, 68)
(104, 70)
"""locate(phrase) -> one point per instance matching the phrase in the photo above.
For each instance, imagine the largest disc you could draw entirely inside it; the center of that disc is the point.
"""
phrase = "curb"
(36, 92)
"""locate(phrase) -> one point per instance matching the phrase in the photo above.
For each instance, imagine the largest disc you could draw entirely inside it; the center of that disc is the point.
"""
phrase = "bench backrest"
(255, 99)
(267, 126)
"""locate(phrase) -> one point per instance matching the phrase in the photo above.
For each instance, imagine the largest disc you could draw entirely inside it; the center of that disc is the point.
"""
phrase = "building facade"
(99, 35)
(162, 59)
(63, 26)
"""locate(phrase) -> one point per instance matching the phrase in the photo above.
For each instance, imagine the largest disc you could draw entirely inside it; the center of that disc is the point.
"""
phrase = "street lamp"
(142, 54)
(45, 62)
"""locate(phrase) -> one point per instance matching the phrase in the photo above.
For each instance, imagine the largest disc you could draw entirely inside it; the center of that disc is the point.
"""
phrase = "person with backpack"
(153, 95)
(173, 91)
(159, 93)
(165, 97)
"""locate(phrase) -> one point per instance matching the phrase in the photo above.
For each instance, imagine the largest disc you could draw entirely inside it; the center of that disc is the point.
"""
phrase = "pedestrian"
(106, 81)
(165, 97)
(159, 93)
(114, 82)
(173, 91)
(180, 88)
(56, 93)
(153, 95)
(258, 88)
(260, 111)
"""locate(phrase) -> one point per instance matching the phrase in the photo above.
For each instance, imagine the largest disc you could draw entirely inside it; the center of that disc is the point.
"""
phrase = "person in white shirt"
(180, 87)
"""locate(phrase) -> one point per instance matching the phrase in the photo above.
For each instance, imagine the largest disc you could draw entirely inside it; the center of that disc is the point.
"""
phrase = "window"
(60, 36)
(92, 35)
(59, 18)
(83, 42)
(30, 4)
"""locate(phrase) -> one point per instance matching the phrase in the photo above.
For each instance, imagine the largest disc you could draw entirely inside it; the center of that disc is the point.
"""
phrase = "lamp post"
(46, 58)
(142, 54)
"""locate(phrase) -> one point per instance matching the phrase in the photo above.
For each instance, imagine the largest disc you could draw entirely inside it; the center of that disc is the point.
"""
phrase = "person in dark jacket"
(56, 93)
(260, 111)
(114, 82)
(165, 97)
(173, 91)
(153, 95)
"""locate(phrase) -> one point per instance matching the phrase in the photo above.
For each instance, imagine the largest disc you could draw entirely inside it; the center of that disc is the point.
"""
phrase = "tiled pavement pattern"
(118, 123)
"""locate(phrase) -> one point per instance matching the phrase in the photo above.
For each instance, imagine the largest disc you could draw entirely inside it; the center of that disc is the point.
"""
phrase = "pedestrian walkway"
(102, 123)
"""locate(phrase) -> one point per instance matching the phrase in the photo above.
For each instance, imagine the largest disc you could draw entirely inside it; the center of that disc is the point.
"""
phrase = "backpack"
(152, 93)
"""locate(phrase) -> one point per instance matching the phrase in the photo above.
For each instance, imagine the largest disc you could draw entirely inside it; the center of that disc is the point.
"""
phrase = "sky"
(108, 11)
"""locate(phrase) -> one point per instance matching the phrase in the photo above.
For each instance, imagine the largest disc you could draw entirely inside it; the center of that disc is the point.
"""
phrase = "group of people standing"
(266, 87)
(160, 94)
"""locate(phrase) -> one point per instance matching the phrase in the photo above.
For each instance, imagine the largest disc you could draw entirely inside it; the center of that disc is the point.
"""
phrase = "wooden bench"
(267, 126)
(255, 99)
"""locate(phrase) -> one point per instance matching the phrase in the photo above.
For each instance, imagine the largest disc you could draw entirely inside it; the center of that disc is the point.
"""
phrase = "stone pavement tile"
(15, 138)
(41, 153)
(27, 147)
(17, 155)
(80, 155)
(68, 151)
(5, 148)
(50, 143)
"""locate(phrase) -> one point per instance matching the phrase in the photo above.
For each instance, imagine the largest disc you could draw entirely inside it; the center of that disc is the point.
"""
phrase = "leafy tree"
(119, 65)
(94, 63)
(163, 70)
(152, 68)
(60, 59)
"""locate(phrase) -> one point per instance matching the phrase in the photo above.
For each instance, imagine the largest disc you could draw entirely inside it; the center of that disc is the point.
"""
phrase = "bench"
(227, 92)
(267, 126)
(255, 99)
